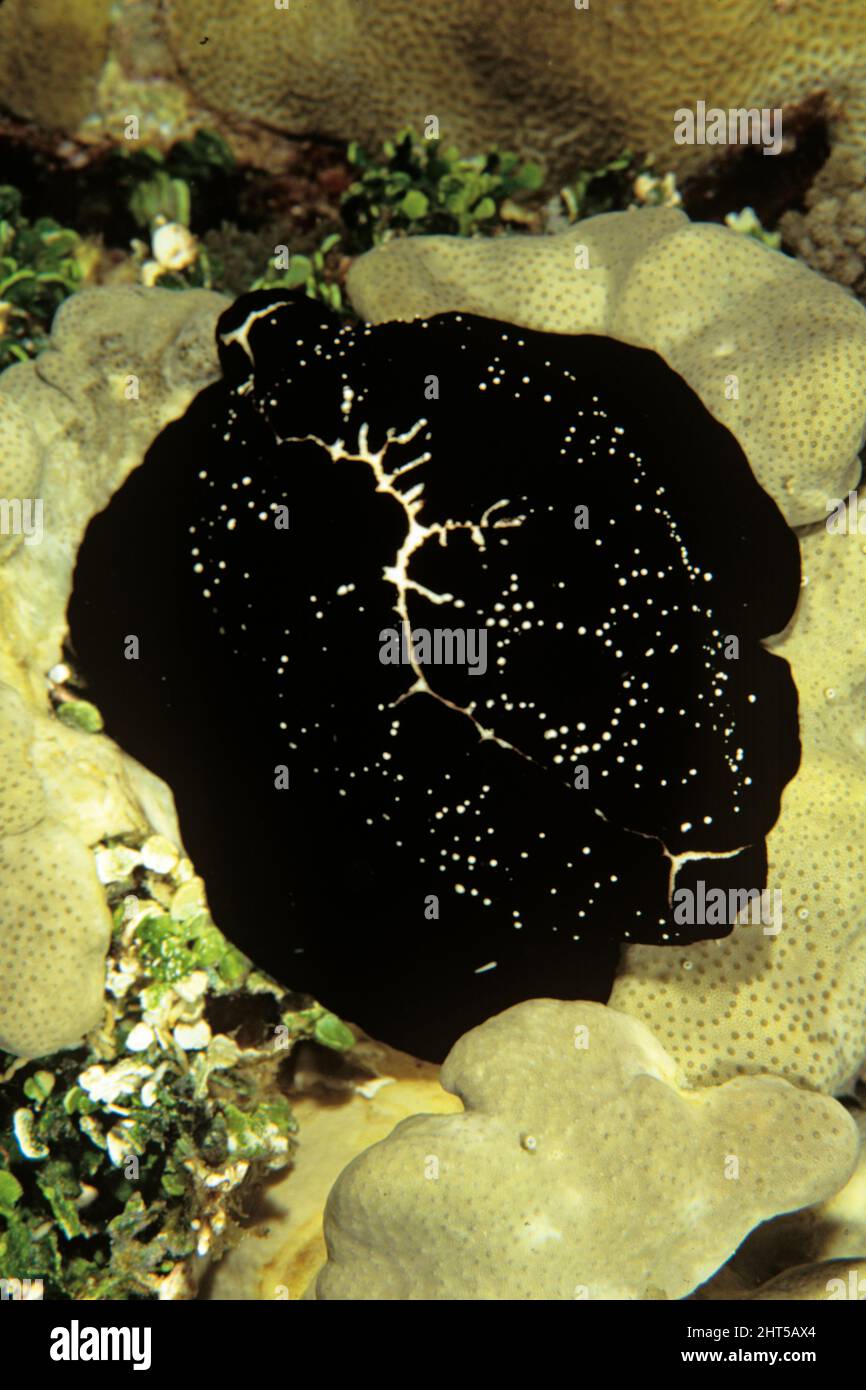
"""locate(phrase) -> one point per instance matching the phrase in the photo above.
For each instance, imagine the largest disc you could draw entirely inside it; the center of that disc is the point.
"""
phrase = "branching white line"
(676, 860)
(417, 535)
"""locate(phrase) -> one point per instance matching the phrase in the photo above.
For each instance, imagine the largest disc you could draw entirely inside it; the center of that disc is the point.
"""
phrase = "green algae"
(127, 1164)
(41, 264)
(80, 714)
(423, 187)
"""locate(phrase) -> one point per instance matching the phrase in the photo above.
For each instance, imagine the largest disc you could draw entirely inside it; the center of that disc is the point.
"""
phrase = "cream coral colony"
(422, 846)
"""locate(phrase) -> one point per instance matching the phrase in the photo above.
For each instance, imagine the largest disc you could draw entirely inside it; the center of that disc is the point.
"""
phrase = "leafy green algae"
(126, 1164)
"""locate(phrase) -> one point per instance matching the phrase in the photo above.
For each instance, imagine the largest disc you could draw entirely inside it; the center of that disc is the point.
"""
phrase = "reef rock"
(72, 424)
(571, 85)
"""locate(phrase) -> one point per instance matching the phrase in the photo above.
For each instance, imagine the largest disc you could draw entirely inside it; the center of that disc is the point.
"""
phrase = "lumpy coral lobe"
(423, 834)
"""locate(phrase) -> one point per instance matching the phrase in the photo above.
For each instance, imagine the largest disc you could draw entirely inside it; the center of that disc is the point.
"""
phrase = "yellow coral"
(121, 364)
(758, 336)
(570, 86)
(51, 55)
(577, 1132)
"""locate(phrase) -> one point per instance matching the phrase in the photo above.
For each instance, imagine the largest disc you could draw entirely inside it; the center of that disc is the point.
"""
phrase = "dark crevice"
(88, 189)
(772, 185)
